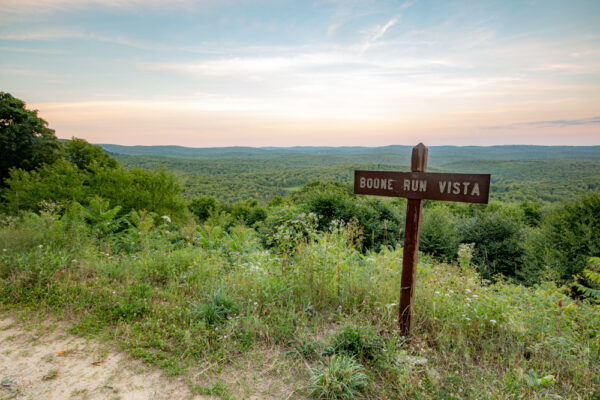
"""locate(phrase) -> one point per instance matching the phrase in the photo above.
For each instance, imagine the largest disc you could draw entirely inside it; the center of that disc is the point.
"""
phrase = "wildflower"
(4, 250)
(437, 292)
(255, 303)
(41, 246)
(166, 219)
(560, 303)
(475, 296)
(492, 321)
(340, 307)
(468, 290)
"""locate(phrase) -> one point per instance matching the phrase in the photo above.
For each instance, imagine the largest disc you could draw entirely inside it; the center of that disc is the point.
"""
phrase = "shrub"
(439, 233)
(202, 207)
(570, 235)
(499, 243)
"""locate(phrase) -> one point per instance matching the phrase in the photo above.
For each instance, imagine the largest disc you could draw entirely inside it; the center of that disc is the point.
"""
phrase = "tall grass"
(204, 293)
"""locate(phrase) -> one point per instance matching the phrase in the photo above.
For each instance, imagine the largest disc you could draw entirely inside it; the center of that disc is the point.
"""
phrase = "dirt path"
(42, 361)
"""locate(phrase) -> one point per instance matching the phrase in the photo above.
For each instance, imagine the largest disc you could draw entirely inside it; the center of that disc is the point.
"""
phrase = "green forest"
(185, 256)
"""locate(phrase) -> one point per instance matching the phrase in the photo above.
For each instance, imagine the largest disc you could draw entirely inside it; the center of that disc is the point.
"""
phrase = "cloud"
(43, 6)
(561, 123)
(378, 32)
(62, 34)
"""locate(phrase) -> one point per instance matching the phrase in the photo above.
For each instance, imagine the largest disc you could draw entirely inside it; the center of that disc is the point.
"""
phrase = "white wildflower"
(492, 321)
(166, 218)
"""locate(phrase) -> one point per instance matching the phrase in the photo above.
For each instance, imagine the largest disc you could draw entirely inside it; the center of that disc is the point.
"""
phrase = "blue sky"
(281, 73)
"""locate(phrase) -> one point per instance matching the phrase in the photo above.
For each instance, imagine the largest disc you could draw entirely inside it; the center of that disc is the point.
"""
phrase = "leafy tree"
(571, 235)
(202, 207)
(26, 142)
(63, 182)
(83, 154)
(439, 233)
(499, 243)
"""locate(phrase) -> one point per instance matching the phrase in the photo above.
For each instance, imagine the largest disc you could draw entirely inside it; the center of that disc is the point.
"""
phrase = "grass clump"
(216, 308)
(356, 341)
(341, 378)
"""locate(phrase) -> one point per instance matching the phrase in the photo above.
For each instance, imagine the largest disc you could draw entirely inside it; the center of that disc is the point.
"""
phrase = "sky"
(212, 73)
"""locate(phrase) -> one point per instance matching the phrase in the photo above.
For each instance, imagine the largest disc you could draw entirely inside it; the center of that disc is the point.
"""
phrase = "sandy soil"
(41, 360)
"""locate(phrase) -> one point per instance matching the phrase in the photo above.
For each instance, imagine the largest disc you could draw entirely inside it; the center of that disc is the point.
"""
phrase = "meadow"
(222, 269)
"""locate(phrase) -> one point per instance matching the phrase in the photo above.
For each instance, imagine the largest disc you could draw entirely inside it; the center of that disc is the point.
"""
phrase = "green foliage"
(570, 235)
(378, 221)
(64, 182)
(101, 217)
(440, 236)
(26, 142)
(593, 277)
(519, 173)
(341, 378)
(287, 228)
(358, 342)
(248, 212)
(215, 309)
(83, 154)
(202, 207)
(474, 339)
(498, 240)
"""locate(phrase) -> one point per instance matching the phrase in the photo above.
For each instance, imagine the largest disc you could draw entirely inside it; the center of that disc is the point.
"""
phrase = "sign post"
(418, 185)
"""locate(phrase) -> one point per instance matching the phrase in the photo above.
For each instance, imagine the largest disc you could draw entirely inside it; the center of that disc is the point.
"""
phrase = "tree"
(26, 142)
(83, 154)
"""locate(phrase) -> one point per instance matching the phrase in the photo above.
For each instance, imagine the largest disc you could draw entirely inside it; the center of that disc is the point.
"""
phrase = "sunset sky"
(282, 73)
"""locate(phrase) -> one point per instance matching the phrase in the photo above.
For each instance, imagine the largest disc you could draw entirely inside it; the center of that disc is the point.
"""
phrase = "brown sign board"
(468, 188)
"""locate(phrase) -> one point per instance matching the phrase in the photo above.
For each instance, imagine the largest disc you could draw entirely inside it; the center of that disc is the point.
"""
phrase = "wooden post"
(417, 186)
(410, 256)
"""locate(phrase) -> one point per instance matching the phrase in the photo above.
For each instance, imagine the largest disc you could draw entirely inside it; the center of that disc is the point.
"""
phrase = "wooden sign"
(468, 188)
(417, 186)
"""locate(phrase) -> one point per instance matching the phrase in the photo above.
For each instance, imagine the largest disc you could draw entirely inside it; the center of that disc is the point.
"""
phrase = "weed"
(215, 309)
(341, 378)
(356, 341)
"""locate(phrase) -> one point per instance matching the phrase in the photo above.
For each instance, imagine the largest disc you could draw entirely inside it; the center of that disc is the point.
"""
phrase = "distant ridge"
(438, 155)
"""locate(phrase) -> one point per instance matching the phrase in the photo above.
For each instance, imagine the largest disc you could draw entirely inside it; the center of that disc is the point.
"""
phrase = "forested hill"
(438, 155)
(536, 173)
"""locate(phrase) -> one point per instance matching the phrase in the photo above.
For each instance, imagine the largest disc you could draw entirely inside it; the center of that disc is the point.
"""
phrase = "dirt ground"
(42, 361)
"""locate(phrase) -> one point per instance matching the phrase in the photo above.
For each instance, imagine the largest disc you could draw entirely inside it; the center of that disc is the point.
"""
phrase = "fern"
(592, 277)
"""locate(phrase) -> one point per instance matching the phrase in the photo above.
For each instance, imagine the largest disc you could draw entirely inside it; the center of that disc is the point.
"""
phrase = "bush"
(439, 233)
(570, 235)
(499, 243)
(202, 207)
(63, 182)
